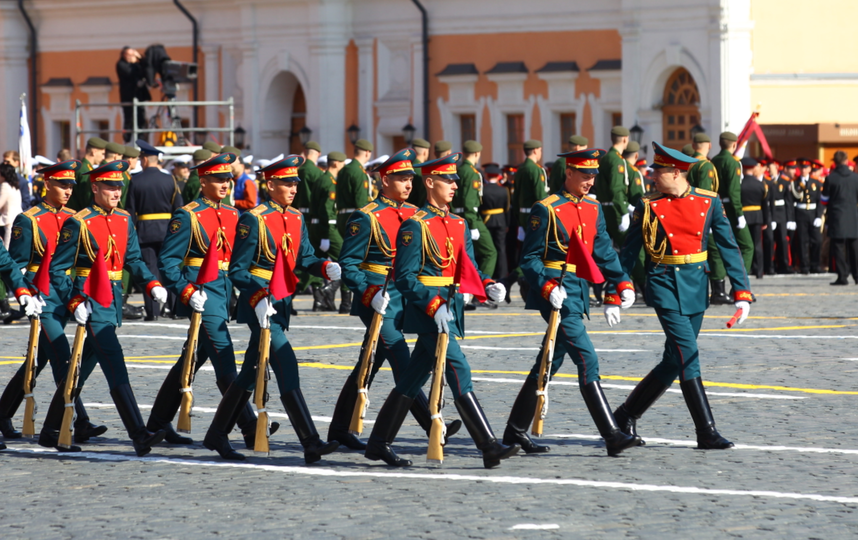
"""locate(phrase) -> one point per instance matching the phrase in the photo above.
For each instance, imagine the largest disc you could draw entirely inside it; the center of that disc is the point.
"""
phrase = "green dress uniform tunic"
(417, 197)
(81, 196)
(729, 177)
(323, 226)
(704, 175)
(310, 175)
(352, 192)
(192, 186)
(558, 175)
(466, 203)
(612, 187)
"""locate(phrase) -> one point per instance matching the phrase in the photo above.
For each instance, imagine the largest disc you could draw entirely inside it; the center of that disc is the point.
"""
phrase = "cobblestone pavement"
(782, 387)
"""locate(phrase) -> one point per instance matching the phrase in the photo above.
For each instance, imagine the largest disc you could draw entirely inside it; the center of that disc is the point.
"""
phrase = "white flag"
(25, 148)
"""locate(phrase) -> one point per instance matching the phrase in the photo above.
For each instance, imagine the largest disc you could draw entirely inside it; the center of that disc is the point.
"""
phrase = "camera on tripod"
(171, 72)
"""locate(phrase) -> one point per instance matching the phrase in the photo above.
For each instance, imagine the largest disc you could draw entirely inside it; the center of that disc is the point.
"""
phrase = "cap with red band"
(398, 164)
(444, 167)
(285, 169)
(109, 174)
(586, 161)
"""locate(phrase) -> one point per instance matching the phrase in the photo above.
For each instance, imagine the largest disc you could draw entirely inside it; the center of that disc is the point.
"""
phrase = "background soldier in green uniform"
(82, 195)
(310, 174)
(612, 186)
(636, 192)
(323, 228)
(729, 173)
(192, 186)
(466, 203)
(558, 170)
(443, 149)
(417, 197)
(352, 193)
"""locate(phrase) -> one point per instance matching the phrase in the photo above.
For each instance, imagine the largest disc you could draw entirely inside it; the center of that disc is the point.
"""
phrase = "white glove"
(197, 301)
(628, 298)
(741, 223)
(442, 318)
(467, 297)
(746, 309)
(32, 306)
(264, 312)
(520, 236)
(774, 225)
(333, 271)
(612, 314)
(82, 312)
(790, 225)
(631, 209)
(496, 292)
(325, 244)
(557, 296)
(817, 222)
(624, 224)
(475, 234)
(380, 301)
(159, 294)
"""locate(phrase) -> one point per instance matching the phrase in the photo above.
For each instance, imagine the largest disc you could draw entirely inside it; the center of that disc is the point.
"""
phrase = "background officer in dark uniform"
(840, 195)
(152, 199)
(808, 218)
(755, 197)
(783, 214)
(495, 213)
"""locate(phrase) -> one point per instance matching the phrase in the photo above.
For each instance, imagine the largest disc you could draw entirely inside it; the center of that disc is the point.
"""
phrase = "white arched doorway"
(284, 114)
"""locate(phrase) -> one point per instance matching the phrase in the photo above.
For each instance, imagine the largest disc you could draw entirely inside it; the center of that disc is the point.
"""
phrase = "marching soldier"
(466, 202)
(755, 207)
(34, 237)
(783, 215)
(673, 225)
(152, 199)
(367, 256)
(494, 211)
(808, 218)
(323, 228)
(425, 265)
(558, 171)
(729, 175)
(270, 227)
(82, 195)
(612, 186)
(417, 197)
(552, 221)
(197, 227)
(106, 229)
(192, 186)
(352, 193)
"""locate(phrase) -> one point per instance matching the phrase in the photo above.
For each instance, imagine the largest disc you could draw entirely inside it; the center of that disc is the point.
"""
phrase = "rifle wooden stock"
(435, 453)
(260, 446)
(29, 429)
(65, 439)
(190, 356)
(544, 373)
(366, 361)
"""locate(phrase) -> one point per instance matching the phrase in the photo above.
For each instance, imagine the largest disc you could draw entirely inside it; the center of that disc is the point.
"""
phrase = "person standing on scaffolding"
(131, 71)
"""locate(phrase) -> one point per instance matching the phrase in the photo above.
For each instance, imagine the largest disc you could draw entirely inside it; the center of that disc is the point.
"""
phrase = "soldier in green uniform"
(82, 195)
(612, 186)
(352, 193)
(310, 174)
(672, 225)
(466, 203)
(323, 228)
(192, 187)
(558, 171)
(417, 197)
(729, 173)
(636, 192)
(443, 149)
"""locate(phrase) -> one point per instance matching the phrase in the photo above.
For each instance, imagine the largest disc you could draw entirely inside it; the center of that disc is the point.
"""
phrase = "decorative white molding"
(561, 99)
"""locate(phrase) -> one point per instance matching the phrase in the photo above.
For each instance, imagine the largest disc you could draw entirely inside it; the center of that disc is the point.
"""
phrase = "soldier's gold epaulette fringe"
(369, 208)
(294, 211)
(228, 207)
(66, 210)
(706, 192)
(82, 214)
(653, 196)
(548, 201)
(259, 210)
(419, 215)
(32, 211)
(190, 206)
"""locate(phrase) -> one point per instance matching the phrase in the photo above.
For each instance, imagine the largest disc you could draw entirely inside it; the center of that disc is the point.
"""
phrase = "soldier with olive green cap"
(466, 203)
(81, 196)
(323, 228)
(558, 170)
(729, 172)
(612, 186)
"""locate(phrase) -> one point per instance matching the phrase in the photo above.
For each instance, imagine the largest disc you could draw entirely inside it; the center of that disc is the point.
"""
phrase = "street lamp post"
(408, 133)
(304, 135)
(239, 135)
(354, 133)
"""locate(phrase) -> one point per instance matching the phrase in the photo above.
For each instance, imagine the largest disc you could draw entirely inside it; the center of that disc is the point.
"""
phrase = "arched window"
(681, 109)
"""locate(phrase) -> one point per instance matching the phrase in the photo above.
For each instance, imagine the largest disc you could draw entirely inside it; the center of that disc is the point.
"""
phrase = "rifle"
(260, 396)
(548, 342)
(189, 356)
(29, 429)
(438, 431)
(367, 354)
(65, 440)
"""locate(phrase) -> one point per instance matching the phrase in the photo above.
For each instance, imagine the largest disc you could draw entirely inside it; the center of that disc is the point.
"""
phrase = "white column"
(735, 66)
(14, 74)
(326, 97)
(212, 53)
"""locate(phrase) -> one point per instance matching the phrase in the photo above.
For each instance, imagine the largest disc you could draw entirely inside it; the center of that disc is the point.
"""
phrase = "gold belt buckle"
(687, 259)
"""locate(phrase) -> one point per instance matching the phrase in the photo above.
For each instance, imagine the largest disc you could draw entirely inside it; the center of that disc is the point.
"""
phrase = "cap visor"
(69, 181)
(400, 173)
(112, 183)
(587, 170)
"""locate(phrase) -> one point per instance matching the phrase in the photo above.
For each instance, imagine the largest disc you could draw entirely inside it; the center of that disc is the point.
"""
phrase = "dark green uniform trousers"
(422, 362)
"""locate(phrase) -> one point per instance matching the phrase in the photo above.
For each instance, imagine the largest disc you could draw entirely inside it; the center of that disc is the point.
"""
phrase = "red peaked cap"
(42, 280)
(585, 267)
(283, 281)
(467, 276)
(211, 264)
(97, 285)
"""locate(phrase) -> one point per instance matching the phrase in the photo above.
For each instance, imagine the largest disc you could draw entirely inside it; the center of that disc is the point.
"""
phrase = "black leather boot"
(5, 308)
(217, 436)
(166, 405)
(478, 426)
(346, 302)
(83, 428)
(387, 425)
(708, 437)
(50, 435)
(318, 300)
(342, 417)
(126, 405)
(719, 293)
(11, 399)
(615, 440)
(246, 419)
(329, 295)
(523, 288)
(302, 422)
(642, 397)
(128, 311)
(420, 412)
(520, 418)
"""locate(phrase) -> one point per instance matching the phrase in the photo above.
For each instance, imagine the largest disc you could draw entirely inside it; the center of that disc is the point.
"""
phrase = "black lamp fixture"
(408, 132)
(636, 133)
(697, 129)
(238, 137)
(354, 133)
(304, 134)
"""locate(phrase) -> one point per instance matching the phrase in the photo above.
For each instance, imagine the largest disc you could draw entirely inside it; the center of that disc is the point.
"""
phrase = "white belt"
(524, 210)
(458, 210)
(304, 210)
(780, 202)
(346, 211)
(332, 222)
(725, 199)
(803, 206)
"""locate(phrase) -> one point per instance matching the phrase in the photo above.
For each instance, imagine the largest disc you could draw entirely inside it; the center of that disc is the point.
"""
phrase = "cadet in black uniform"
(755, 207)
(495, 213)
(782, 214)
(808, 217)
(152, 199)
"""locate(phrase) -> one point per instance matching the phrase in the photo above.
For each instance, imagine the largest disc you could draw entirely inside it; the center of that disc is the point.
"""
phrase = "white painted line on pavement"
(692, 443)
(451, 477)
(627, 387)
(534, 527)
